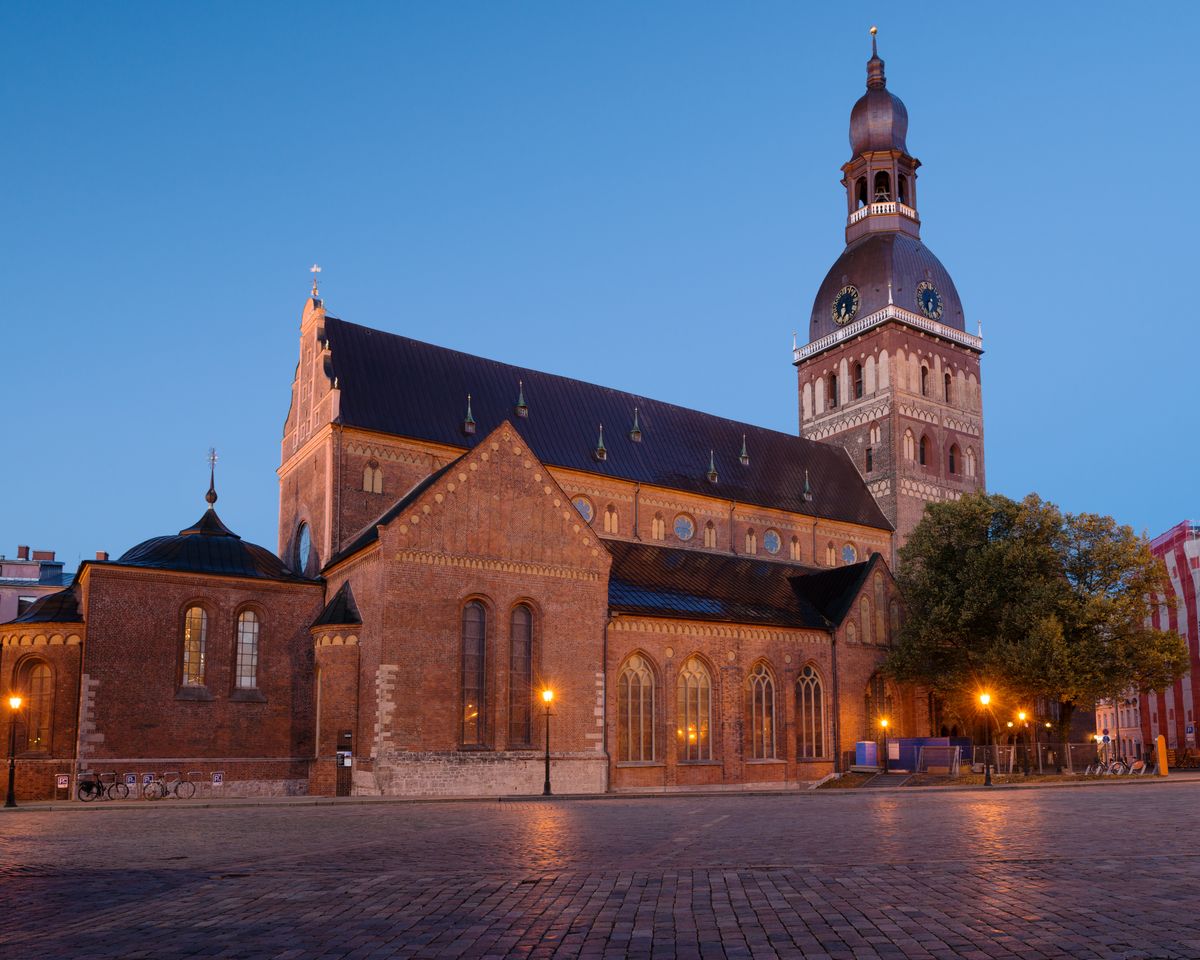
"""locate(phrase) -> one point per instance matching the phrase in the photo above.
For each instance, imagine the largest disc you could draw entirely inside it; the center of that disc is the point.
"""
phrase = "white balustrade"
(890, 312)
(883, 208)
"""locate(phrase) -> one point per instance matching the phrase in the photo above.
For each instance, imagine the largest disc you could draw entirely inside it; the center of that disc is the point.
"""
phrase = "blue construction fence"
(903, 751)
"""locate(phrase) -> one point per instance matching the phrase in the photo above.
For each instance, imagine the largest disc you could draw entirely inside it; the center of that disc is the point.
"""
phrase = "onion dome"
(879, 121)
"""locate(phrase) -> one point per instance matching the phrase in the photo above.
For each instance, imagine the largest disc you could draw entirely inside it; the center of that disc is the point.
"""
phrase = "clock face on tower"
(845, 304)
(929, 300)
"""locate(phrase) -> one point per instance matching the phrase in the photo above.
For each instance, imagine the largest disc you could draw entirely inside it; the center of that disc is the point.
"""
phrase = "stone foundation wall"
(479, 775)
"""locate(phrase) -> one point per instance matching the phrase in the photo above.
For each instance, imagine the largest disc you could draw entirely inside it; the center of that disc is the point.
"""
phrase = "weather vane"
(211, 496)
(315, 271)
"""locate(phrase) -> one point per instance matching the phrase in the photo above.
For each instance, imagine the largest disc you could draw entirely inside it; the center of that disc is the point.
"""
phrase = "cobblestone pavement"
(1094, 872)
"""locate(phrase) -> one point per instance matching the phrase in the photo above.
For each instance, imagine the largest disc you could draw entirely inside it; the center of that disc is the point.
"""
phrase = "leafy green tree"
(1024, 601)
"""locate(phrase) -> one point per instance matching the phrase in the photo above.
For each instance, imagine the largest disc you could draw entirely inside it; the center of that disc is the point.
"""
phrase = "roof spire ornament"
(636, 433)
(211, 496)
(745, 455)
(808, 494)
(890, 293)
(601, 452)
(712, 468)
(522, 407)
(875, 78)
(468, 426)
(316, 272)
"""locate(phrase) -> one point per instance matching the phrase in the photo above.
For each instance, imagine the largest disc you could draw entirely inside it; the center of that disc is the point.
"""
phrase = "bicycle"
(169, 785)
(94, 788)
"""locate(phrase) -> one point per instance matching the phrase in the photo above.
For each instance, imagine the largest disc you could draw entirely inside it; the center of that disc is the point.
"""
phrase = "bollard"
(1161, 767)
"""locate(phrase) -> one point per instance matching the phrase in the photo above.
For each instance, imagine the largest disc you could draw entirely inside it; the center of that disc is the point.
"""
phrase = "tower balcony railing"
(890, 312)
(890, 206)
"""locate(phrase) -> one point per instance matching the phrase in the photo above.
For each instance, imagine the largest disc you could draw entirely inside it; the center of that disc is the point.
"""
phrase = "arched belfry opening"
(883, 187)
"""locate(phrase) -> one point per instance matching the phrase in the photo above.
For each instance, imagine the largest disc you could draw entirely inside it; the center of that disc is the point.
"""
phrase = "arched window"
(810, 716)
(833, 391)
(860, 192)
(875, 433)
(794, 548)
(910, 444)
(948, 385)
(883, 187)
(851, 632)
(305, 555)
(710, 535)
(830, 554)
(636, 742)
(694, 711)
(870, 464)
(611, 521)
(953, 459)
(246, 666)
(760, 708)
(474, 632)
(923, 451)
(849, 553)
(924, 380)
(858, 381)
(38, 681)
(658, 528)
(520, 678)
(864, 619)
(751, 541)
(372, 477)
(970, 461)
(195, 633)
(902, 189)
(879, 706)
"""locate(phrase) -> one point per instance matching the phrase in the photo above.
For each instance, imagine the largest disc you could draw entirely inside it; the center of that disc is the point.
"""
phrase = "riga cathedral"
(707, 602)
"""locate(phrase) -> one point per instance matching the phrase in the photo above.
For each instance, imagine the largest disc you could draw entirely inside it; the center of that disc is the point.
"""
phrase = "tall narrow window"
(858, 381)
(953, 459)
(474, 631)
(520, 678)
(694, 711)
(923, 451)
(636, 742)
(710, 535)
(861, 192)
(910, 445)
(833, 390)
(794, 549)
(830, 554)
(39, 686)
(883, 187)
(870, 460)
(247, 650)
(372, 477)
(878, 704)
(924, 381)
(195, 631)
(902, 189)
(611, 521)
(947, 383)
(751, 541)
(760, 703)
(864, 618)
(810, 716)
(970, 461)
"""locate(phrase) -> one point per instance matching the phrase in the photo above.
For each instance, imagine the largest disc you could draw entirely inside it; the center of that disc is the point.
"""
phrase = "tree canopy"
(1023, 600)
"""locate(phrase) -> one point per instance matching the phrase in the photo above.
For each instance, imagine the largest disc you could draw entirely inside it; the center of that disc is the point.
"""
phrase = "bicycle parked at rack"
(92, 787)
(167, 786)
(1115, 767)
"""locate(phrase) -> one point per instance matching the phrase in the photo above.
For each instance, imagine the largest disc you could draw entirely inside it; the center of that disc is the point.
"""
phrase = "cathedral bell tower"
(890, 372)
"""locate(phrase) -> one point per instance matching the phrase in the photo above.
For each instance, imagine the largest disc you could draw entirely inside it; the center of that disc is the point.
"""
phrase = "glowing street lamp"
(547, 698)
(883, 723)
(14, 703)
(984, 700)
(1021, 715)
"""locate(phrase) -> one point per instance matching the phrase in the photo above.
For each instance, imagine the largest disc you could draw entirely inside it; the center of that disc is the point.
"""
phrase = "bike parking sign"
(218, 778)
(63, 781)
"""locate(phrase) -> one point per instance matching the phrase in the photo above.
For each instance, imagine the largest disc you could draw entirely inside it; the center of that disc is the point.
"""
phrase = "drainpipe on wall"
(837, 706)
(732, 539)
(604, 704)
(637, 533)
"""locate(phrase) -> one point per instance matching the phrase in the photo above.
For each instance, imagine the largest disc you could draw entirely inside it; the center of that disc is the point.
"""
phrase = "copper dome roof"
(870, 264)
(879, 121)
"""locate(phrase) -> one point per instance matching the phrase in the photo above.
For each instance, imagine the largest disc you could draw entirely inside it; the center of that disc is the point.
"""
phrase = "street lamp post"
(14, 703)
(984, 700)
(547, 698)
(1025, 753)
(884, 724)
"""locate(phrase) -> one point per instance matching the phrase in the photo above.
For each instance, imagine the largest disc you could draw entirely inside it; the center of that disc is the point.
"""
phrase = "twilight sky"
(640, 195)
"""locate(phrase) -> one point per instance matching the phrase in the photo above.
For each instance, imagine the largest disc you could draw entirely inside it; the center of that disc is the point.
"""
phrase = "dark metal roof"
(208, 546)
(370, 533)
(61, 607)
(691, 585)
(870, 264)
(341, 610)
(401, 386)
(832, 590)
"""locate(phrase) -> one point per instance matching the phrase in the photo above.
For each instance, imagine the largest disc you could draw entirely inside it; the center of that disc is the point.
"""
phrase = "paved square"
(1092, 872)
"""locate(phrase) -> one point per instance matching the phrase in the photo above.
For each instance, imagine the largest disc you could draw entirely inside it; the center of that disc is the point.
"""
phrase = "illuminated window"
(810, 716)
(195, 632)
(636, 742)
(761, 705)
(39, 709)
(694, 711)
(520, 682)
(246, 677)
(474, 630)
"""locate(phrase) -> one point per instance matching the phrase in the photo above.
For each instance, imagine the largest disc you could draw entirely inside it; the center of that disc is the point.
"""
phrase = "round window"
(584, 506)
(303, 548)
(771, 541)
(685, 527)
(849, 554)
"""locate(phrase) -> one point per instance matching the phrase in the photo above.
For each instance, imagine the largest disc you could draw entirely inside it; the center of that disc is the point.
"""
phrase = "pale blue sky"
(642, 195)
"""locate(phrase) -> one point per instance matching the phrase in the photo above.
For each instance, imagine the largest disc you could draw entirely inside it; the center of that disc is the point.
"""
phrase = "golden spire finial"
(874, 30)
